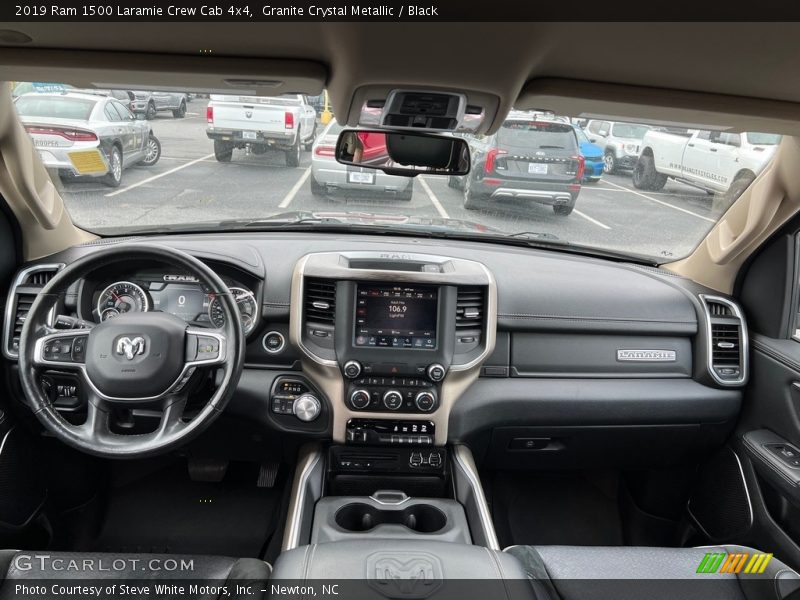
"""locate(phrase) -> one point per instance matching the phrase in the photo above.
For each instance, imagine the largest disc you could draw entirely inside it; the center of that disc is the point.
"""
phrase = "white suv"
(620, 141)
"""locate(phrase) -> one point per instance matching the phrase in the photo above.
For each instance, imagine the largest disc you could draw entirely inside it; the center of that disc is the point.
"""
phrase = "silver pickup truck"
(151, 103)
(284, 123)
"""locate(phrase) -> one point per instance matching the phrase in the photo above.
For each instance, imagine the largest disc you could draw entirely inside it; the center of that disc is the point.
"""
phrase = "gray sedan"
(87, 135)
(327, 175)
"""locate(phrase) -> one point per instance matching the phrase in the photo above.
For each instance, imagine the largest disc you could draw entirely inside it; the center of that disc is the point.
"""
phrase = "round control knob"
(307, 407)
(352, 369)
(359, 399)
(393, 399)
(425, 401)
(436, 372)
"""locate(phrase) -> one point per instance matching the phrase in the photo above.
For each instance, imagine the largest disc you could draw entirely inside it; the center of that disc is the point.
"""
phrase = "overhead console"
(393, 338)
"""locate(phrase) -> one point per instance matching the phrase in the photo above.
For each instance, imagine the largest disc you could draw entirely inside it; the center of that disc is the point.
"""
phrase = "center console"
(392, 340)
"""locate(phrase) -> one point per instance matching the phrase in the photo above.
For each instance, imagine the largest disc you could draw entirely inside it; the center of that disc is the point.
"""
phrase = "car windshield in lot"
(36, 105)
(175, 160)
(628, 130)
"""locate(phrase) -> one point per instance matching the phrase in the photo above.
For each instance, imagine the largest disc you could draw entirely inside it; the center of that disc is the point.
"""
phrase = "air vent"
(40, 278)
(716, 309)
(26, 287)
(727, 338)
(320, 301)
(470, 307)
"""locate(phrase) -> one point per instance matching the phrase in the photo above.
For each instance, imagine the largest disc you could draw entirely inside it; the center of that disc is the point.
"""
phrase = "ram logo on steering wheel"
(130, 347)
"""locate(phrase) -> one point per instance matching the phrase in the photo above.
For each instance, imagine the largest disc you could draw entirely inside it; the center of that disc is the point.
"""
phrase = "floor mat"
(167, 512)
(542, 509)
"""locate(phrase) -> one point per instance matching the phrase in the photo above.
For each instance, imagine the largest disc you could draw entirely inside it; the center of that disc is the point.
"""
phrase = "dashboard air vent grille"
(320, 301)
(470, 308)
(26, 287)
(727, 338)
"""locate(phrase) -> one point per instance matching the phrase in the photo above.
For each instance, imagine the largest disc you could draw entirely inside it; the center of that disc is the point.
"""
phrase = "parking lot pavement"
(188, 185)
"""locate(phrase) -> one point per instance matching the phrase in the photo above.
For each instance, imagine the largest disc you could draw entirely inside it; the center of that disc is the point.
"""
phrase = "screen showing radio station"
(396, 317)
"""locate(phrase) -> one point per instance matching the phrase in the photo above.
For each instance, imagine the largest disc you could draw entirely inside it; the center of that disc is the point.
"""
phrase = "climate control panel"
(393, 394)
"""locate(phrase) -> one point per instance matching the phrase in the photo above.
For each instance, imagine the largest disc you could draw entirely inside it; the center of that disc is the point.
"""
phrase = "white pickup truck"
(712, 160)
(261, 123)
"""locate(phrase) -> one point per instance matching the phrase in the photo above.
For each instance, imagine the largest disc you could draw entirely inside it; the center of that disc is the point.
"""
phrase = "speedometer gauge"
(121, 297)
(248, 309)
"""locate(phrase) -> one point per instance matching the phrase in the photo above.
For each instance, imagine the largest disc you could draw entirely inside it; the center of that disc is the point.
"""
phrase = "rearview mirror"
(403, 153)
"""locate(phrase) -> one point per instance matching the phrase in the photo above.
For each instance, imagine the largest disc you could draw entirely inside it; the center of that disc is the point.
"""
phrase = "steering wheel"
(135, 360)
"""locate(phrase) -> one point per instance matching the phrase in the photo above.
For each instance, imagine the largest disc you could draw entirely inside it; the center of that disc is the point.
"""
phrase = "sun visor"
(85, 69)
(693, 110)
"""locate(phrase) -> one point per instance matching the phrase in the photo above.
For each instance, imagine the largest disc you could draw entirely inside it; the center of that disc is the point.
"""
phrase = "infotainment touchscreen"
(396, 316)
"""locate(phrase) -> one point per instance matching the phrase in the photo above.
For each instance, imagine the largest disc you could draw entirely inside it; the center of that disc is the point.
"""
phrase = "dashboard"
(363, 339)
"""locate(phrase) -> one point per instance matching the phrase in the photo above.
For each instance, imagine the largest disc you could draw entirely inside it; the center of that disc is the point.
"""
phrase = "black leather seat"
(634, 573)
(61, 569)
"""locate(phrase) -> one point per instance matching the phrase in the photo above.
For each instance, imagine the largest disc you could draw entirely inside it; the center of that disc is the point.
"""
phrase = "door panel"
(767, 440)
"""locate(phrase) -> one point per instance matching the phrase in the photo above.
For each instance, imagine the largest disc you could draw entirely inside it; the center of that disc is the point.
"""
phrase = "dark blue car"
(592, 155)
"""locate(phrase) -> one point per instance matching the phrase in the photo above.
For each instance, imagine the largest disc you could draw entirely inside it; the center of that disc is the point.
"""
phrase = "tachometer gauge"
(248, 308)
(122, 297)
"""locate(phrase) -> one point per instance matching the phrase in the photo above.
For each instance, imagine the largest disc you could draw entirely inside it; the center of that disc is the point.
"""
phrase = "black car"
(526, 160)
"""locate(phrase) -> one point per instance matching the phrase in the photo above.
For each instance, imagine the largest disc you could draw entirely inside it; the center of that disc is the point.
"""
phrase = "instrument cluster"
(181, 295)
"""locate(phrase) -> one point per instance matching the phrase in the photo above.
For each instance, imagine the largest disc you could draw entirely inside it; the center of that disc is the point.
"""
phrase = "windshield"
(763, 139)
(627, 130)
(582, 137)
(200, 162)
(34, 105)
(536, 135)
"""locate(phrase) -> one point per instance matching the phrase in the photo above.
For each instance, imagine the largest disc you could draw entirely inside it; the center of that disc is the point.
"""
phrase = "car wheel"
(150, 111)
(722, 202)
(562, 210)
(153, 151)
(223, 151)
(645, 176)
(316, 188)
(609, 163)
(457, 183)
(180, 112)
(310, 143)
(407, 194)
(471, 201)
(114, 176)
(293, 154)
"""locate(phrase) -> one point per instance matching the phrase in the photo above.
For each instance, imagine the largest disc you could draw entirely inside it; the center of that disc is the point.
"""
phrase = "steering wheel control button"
(273, 342)
(360, 399)
(352, 369)
(436, 372)
(207, 348)
(425, 401)
(393, 400)
(79, 349)
(307, 408)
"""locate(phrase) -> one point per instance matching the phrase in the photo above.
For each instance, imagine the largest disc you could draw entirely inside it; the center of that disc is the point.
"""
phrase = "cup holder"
(360, 517)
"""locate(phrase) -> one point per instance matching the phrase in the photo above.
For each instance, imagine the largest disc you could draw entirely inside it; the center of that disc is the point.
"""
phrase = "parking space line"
(434, 200)
(656, 200)
(287, 200)
(590, 219)
(159, 176)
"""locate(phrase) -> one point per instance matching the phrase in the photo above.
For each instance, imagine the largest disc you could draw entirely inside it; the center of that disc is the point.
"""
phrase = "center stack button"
(393, 400)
